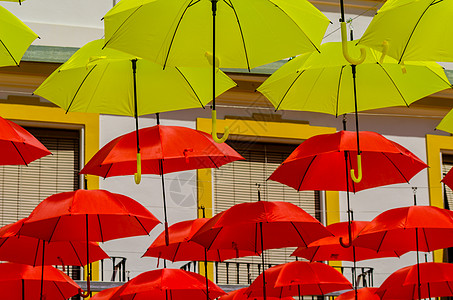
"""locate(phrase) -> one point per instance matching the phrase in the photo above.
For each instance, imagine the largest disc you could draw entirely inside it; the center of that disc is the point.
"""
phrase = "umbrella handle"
(359, 170)
(344, 42)
(138, 175)
(343, 244)
(385, 49)
(88, 292)
(214, 129)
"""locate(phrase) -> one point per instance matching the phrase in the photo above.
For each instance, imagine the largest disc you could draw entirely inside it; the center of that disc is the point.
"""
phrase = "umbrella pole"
(42, 268)
(416, 245)
(138, 175)
(262, 261)
(88, 291)
(206, 272)
(161, 166)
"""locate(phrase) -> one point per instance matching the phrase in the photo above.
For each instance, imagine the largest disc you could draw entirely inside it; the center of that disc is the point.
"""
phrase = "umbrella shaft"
(214, 12)
(353, 68)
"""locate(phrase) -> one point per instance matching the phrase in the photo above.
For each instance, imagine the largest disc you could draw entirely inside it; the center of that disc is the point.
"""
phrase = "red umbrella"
(436, 280)
(319, 163)
(259, 226)
(299, 278)
(28, 250)
(363, 293)
(422, 228)
(105, 294)
(94, 215)
(17, 145)
(241, 295)
(163, 149)
(181, 248)
(448, 179)
(20, 282)
(169, 284)
(329, 248)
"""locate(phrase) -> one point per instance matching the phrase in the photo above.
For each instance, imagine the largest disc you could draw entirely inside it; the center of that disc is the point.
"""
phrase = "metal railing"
(118, 271)
(241, 273)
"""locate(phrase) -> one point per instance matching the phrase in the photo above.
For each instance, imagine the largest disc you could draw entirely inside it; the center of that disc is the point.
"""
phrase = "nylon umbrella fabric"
(247, 226)
(413, 30)
(63, 217)
(20, 282)
(299, 278)
(427, 228)
(28, 250)
(368, 293)
(105, 294)
(179, 33)
(164, 149)
(435, 281)
(330, 249)
(17, 145)
(100, 80)
(446, 124)
(181, 248)
(319, 163)
(240, 294)
(15, 38)
(327, 77)
(170, 284)
(448, 179)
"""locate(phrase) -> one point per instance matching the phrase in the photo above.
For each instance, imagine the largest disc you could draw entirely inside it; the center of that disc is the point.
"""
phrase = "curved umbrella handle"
(359, 170)
(343, 244)
(138, 175)
(344, 42)
(88, 292)
(385, 49)
(214, 129)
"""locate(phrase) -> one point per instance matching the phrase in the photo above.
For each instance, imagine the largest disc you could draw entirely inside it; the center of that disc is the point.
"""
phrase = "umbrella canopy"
(16, 37)
(170, 284)
(319, 163)
(412, 30)
(448, 179)
(28, 250)
(362, 294)
(329, 248)
(100, 80)
(299, 278)
(242, 295)
(105, 294)
(259, 226)
(436, 280)
(181, 248)
(164, 149)
(249, 34)
(19, 282)
(94, 215)
(323, 82)
(17, 145)
(423, 228)
(447, 123)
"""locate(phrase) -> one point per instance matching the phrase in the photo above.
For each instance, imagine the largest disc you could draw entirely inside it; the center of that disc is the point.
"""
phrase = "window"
(24, 187)
(237, 183)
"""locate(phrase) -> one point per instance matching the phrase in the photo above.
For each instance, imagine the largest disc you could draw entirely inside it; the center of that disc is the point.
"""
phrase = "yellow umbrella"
(15, 38)
(108, 81)
(327, 83)
(413, 30)
(183, 33)
(447, 123)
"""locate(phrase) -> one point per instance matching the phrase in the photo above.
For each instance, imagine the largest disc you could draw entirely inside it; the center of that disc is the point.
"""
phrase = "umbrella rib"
(36, 253)
(314, 254)
(188, 83)
(287, 91)
(338, 90)
(176, 30)
(100, 229)
(80, 86)
(380, 243)
(54, 228)
(176, 252)
(393, 82)
(213, 162)
(7, 50)
(426, 239)
(77, 254)
(413, 30)
(146, 231)
(449, 287)
(20, 154)
(230, 4)
(58, 288)
(108, 170)
(306, 171)
(396, 167)
(299, 234)
(119, 27)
